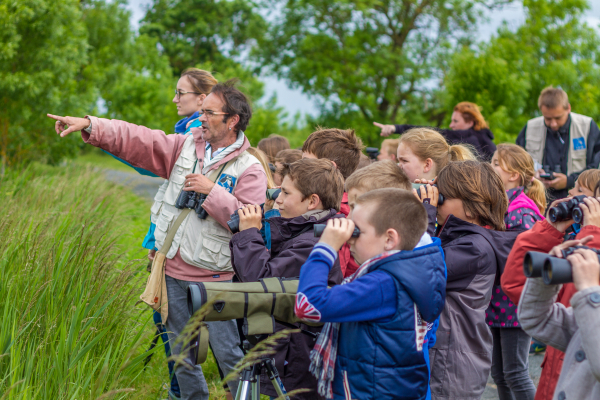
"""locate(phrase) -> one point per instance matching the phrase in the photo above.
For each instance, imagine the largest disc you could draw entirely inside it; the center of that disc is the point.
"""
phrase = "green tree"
(42, 50)
(370, 59)
(192, 32)
(215, 36)
(130, 75)
(506, 75)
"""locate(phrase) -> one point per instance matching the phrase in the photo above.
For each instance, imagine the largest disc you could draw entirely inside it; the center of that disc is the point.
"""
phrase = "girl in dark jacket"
(467, 126)
(527, 202)
(471, 229)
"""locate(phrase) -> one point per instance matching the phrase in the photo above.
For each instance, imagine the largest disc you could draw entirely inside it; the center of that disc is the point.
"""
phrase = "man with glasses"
(215, 153)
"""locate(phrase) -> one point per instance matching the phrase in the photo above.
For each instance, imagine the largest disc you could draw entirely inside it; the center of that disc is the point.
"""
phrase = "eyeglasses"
(210, 113)
(179, 93)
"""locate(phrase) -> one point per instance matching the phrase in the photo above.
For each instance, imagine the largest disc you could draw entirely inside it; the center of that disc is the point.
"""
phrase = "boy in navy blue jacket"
(372, 345)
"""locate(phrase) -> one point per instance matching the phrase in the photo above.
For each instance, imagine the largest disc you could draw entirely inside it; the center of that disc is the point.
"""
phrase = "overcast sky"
(294, 100)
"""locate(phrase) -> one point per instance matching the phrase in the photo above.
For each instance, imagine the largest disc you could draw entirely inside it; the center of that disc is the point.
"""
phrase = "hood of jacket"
(284, 229)
(501, 242)
(522, 201)
(420, 272)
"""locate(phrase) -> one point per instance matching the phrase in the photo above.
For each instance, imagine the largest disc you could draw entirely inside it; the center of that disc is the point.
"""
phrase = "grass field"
(71, 271)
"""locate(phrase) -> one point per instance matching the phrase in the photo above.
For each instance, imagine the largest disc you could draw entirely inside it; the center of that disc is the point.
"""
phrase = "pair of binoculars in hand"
(553, 270)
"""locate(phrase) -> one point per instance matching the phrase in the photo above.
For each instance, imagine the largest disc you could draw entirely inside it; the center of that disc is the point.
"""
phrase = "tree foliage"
(192, 32)
(369, 59)
(506, 75)
(41, 57)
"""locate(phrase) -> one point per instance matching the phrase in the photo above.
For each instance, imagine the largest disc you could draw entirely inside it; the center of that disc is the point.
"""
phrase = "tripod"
(250, 379)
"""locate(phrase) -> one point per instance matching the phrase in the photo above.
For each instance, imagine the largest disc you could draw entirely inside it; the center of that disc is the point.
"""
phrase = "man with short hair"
(213, 161)
(389, 148)
(560, 142)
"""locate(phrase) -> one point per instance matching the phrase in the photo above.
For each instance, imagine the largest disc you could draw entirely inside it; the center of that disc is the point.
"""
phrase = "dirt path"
(146, 187)
(143, 186)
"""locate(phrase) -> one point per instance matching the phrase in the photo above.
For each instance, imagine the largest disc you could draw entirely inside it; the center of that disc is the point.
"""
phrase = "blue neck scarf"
(180, 125)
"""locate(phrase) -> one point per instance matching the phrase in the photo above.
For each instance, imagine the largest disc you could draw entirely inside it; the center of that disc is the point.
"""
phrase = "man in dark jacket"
(311, 193)
(561, 142)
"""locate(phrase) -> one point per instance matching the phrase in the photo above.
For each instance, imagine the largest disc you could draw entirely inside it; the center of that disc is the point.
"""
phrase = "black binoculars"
(553, 270)
(372, 152)
(570, 209)
(192, 200)
(319, 228)
(234, 219)
(417, 186)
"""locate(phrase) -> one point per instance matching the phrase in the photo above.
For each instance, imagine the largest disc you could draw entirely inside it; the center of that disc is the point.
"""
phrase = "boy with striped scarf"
(372, 344)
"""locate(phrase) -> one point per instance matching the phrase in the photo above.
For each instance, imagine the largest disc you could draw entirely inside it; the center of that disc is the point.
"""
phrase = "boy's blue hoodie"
(380, 346)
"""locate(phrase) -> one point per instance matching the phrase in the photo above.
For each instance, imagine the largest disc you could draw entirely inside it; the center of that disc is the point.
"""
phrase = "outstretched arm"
(142, 147)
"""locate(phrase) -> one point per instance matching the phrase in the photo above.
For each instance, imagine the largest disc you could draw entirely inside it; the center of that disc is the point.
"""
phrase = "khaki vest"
(535, 141)
(202, 243)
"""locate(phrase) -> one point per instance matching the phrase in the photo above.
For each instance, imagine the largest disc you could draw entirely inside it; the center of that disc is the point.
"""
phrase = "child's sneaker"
(536, 347)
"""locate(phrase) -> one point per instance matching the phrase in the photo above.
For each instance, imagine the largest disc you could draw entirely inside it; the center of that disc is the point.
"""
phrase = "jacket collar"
(201, 148)
(284, 229)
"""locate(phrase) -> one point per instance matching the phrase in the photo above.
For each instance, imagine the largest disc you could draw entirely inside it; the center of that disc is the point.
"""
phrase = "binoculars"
(570, 209)
(553, 270)
(192, 200)
(418, 185)
(234, 219)
(319, 228)
(372, 152)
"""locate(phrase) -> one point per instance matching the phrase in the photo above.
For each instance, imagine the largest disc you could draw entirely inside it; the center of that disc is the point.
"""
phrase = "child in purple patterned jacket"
(527, 202)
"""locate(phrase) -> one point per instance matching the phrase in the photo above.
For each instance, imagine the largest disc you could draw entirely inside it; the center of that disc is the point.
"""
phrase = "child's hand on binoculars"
(560, 226)
(591, 212)
(337, 232)
(586, 269)
(557, 250)
(429, 194)
(250, 217)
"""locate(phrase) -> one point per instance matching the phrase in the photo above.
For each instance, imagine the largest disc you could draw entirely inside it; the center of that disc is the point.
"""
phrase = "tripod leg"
(244, 388)
(275, 380)
(255, 395)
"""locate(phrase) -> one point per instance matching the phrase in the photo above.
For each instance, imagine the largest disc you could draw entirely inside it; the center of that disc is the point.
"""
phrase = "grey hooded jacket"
(462, 356)
(573, 330)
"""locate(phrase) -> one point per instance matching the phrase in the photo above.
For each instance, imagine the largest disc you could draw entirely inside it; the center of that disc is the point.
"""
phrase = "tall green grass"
(71, 270)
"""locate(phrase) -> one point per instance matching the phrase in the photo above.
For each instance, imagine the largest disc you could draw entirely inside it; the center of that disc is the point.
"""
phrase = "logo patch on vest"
(227, 181)
(579, 144)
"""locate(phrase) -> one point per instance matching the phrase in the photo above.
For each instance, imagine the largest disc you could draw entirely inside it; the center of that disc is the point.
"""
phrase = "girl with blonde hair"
(422, 153)
(527, 202)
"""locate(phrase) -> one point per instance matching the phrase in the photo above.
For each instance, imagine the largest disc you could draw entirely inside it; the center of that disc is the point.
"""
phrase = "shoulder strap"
(171, 234)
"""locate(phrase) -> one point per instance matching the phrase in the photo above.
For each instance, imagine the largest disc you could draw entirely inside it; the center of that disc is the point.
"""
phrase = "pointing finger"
(56, 117)
(377, 124)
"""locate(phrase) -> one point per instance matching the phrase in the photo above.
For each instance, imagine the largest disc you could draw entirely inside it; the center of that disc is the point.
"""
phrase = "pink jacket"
(157, 152)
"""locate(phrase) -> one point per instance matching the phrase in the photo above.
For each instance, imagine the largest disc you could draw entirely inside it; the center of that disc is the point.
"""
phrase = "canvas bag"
(155, 293)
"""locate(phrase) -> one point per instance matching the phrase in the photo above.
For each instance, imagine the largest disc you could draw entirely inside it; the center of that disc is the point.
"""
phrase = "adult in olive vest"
(212, 161)
(561, 142)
